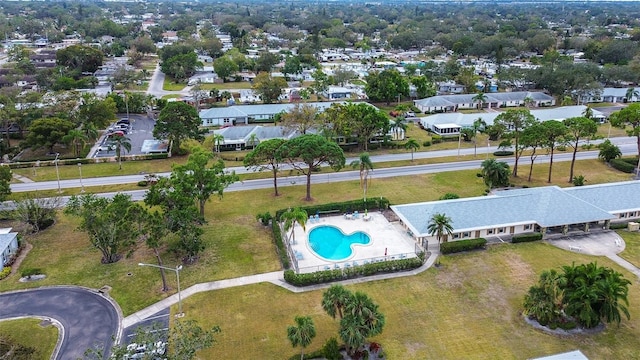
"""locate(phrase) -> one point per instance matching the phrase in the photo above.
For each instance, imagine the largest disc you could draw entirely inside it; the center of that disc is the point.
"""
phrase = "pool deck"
(385, 236)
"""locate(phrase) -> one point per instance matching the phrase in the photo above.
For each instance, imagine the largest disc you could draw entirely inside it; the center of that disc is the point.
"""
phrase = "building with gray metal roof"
(449, 103)
(544, 209)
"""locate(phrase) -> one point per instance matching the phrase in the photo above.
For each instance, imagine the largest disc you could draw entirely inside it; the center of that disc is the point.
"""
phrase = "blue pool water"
(331, 243)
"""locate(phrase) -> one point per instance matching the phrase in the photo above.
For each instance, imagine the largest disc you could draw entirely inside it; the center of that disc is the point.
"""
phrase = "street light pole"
(177, 270)
(81, 184)
(57, 171)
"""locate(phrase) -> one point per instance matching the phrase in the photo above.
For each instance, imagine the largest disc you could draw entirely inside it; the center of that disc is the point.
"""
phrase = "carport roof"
(546, 206)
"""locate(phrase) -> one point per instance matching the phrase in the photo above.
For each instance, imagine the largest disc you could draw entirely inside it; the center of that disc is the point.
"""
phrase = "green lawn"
(28, 332)
(469, 308)
(631, 251)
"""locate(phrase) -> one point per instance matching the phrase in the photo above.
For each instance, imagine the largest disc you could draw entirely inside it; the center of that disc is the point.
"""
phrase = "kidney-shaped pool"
(331, 243)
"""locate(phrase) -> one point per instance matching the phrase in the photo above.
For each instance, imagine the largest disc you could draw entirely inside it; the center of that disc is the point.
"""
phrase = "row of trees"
(359, 319)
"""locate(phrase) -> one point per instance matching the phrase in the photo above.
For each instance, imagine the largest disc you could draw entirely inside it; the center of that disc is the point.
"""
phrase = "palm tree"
(253, 140)
(76, 138)
(630, 94)
(440, 226)
(495, 173)
(365, 165)
(214, 141)
(302, 333)
(412, 145)
(121, 141)
(528, 102)
(90, 131)
(478, 125)
(480, 98)
(334, 300)
(290, 218)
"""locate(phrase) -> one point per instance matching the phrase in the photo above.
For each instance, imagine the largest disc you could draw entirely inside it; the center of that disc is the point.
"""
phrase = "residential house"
(451, 103)
(8, 245)
(247, 114)
(336, 93)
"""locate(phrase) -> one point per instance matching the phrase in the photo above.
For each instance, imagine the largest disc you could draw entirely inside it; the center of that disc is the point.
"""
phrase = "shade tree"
(554, 132)
(176, 122)
(308, 152)
(264, 157)
(513, 122)
(628, 117)
(578, 128)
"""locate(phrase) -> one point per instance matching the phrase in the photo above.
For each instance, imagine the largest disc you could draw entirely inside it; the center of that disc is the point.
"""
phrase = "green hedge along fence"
(343, 207)
(321, 277)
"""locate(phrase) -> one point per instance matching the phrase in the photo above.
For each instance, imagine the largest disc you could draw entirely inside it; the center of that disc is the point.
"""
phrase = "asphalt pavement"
(88, 318)
(140, 129)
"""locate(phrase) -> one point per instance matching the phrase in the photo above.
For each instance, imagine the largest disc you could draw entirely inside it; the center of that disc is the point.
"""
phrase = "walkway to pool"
(389, 241)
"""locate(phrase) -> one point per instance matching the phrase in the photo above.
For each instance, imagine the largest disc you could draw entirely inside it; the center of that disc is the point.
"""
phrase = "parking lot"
(140, 129)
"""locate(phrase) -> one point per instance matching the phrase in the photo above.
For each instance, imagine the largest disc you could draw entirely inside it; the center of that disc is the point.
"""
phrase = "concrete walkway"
(276, 278)
(597, 243)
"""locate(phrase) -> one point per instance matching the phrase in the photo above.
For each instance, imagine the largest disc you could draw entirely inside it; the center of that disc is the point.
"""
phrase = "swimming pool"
(331, 243)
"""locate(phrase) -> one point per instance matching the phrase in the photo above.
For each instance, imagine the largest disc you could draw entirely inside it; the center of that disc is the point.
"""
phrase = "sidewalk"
(276, 278)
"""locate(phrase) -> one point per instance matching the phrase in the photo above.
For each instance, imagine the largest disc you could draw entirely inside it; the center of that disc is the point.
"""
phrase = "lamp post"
(55, 161)
(177, 270)
(81, 184)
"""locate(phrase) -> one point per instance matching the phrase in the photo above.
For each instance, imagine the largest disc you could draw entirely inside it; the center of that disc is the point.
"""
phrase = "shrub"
(462, 245)
(503, 153)
(343, 207)
(449, 196)
(28, 272)
(622, 165)
(520, 238)
(561, 148)
(436, 139)
(143, 183)
(264, 218)
(618, 225)
(5, 272)
(277, 239)
(308, 356)
(320, 277)
(331, 350)
(426, 143)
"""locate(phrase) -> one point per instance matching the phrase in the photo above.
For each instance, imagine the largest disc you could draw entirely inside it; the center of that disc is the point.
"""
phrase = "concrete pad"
(389, 241)
(598, 243)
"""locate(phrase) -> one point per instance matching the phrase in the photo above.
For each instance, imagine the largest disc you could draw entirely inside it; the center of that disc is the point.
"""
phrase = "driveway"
(87, 317)
(597, 243)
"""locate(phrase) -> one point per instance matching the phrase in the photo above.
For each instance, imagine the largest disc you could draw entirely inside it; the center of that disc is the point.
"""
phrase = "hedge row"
(618, 225)
(320, 277)
(622, 165)
(462, 245)
(343, 207)
(526, 237)
(277, 239)
(503, 153)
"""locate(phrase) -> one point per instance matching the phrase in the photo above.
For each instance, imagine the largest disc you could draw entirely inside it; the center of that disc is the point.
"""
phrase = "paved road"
(156, 83)
(87, 317)
(627, 146)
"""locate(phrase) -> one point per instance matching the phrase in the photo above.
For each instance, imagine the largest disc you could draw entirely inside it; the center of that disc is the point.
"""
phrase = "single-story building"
(451, 103)
(438, 121)
(548, 210)
(245, 114)
(8, 245)
(337, 92)
(241, 137)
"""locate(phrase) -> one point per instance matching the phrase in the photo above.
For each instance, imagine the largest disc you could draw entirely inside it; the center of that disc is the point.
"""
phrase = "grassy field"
(631, 251)
(469, 308)
(28, 332)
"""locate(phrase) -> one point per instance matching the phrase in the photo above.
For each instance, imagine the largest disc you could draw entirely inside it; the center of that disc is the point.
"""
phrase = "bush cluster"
(462, 245)
(622, 165)
(320, 277)
(264, 218)
(503, 153)
(5, 272)
(343, 207)
(618, 225)
(277, 239)
(520, 238)
(318, 354)
(427, 143)
(28, 272)
(436, 139)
